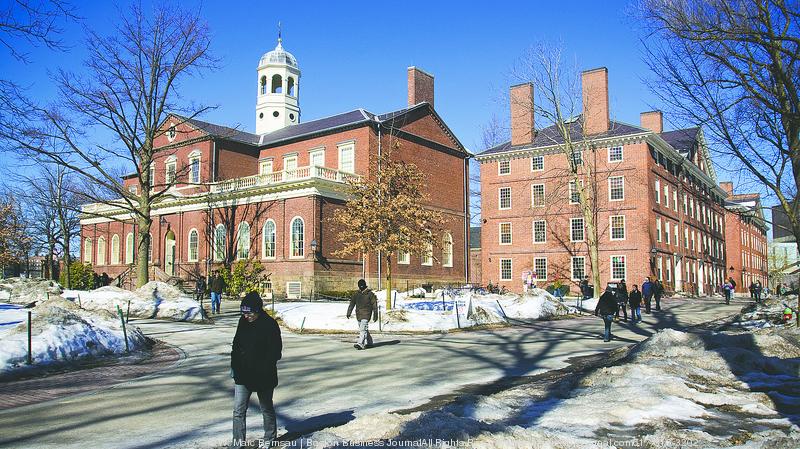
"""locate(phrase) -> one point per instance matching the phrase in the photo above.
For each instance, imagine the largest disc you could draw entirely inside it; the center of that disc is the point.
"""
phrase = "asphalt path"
(324, 381)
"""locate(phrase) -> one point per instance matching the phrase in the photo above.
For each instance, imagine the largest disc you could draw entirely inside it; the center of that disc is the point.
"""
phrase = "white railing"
(279, 177)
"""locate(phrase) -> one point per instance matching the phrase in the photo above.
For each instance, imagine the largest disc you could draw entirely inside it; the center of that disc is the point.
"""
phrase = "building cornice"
(556, 148)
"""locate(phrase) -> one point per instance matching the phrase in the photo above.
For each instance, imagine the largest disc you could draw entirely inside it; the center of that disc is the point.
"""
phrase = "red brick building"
(267, 196)
(746, 232)
(659, 211)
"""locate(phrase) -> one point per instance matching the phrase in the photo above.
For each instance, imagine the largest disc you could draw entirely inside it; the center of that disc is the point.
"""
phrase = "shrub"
(81, 276)
(558, 285)
(244, 276)
(335, 294)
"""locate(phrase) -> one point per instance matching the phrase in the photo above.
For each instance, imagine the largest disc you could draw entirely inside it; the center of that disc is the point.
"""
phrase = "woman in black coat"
(256, 350)
(606, 307)
(635, 301)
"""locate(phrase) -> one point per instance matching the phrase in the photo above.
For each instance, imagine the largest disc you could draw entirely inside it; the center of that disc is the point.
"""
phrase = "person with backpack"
(606, 307)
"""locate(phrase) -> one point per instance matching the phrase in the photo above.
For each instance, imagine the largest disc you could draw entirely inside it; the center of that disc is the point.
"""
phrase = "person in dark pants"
(255, 353)
(727, 290)
(635, 301)
(647, 293)
(606, 307)
(217, 287)
(622, 299)
(658, 290)
(587, 291)
(199, 288)
(758, 290)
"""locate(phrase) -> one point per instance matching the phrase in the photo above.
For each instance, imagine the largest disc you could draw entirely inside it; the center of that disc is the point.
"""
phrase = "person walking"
(757, 290)
(635, 301)
(366, 304)
(217, 287)
(606, 307)
(727, 290)
(622, 299)
(658, 290)
(255, 353)
(200, 289)
(752, 289)
(586, 293)
(647, 293)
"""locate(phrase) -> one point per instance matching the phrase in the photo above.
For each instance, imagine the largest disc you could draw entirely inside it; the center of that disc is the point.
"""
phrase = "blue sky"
(355, 54)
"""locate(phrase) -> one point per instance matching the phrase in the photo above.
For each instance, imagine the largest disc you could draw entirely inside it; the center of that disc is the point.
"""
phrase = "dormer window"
(171, 132)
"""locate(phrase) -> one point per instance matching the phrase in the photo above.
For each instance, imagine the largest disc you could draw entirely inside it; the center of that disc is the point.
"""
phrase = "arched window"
(290, 87)
(427, 256)
(297, 237)
(194, 241)
(219, 243)
(447, 250)
(277, 84)
(263, 85)
(243, 241)
(129, 248)
(268, 240)
(115, 250)
(101, 251)
(87, 251)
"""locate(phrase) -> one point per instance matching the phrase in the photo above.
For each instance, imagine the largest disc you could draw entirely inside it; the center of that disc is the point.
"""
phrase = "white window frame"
(572, 268)
(300, 254)
(316, 153)
(611, 226)
(170, 175)
(101, 251)
(88, 250)
(510, 233)
(533, 195)
(447, 250)
(536, 270)
(426, 259)
(403, 258)
(658, 229)
(195, 156)
(115, 249)
(242, 249)
(611, 152)
(501, 164)
(572, 229)
(573, 192)
(264, 165)
(675, 200)
(611, 180)
(264, 239)
(510, 269)
(658, 191)
(667, 235)
(539, 158)
(544, 232)
(130, 242)
(290, 159)
(347, 166)
(152, 175)
(624, 266)
(220, 245)
(500, 198)
(189, 256)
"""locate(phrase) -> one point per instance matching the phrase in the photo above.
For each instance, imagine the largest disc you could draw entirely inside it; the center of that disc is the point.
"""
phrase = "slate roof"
(474, 237)
(221, 131)
(551, 136)
(682, 140)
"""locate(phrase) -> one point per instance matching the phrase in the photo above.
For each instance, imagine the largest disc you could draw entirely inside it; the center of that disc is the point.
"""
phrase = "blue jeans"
(607, 319)
(241, 399)
(215, 301)
(636, 313)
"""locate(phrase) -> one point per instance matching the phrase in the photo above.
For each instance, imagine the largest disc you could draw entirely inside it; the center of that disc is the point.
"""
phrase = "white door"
(169, 257)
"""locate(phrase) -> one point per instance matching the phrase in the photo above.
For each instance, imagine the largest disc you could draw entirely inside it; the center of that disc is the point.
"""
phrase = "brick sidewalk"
(91, 376)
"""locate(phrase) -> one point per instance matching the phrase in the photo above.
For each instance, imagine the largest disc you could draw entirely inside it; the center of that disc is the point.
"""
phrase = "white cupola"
(277, 104)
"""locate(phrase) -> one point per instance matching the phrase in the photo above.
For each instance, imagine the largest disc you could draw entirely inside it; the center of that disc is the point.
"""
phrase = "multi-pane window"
(617, 267)
(115, 250)
(686, 238)
(576, 229)
(578, 268)
(539, 231)
(658, 229)
(268, 235)
(347, 158)
(427, 255)
(404, 258)
(675, 200)
(87, 251)
(129, 248)
(101, 251)
(675, 229)
(505, 269)
(316, 158)
(615, 154)
(505, 198)
(574, 195)
(537, 163)
(666, 195)
(243, 241)
(170, 176)
(540, 268)
(616, 188)
(298, 235)
(194, 173)
(667, 235)
(505, 233)
(617, 227)
(504, 167)
(659, 268)
(577, 157)
(685, 204)
(152, 175)
(194, 241)
(219, 243)
(265, 167)
(537, 195)
(447, 250)
(658, 191)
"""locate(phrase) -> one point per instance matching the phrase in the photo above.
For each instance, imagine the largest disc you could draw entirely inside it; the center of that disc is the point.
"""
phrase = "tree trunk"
(389, 281)
(142, 264)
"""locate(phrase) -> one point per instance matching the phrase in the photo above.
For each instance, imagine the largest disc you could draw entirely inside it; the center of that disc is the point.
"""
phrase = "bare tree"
(116, 111)
(734, 68)
(35, 21)
(15, 240)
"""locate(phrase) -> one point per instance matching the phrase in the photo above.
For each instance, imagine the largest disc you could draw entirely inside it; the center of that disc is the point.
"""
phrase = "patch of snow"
(153, 300)
(25, 291)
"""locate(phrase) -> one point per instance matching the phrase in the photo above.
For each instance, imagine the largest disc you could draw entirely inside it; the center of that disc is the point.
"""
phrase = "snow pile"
(445, 312)
(153, 300)
(675, 390)
(766, 314)
(26, 291)
(62, 332)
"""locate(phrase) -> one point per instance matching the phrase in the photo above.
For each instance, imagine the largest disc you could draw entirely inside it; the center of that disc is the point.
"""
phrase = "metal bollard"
(458, 319)
(302, 325)
(501, 309)
(124, 331)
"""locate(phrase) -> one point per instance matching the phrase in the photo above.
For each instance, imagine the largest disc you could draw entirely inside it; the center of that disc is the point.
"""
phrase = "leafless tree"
(37, 22)
(115, 112)
(734, 68)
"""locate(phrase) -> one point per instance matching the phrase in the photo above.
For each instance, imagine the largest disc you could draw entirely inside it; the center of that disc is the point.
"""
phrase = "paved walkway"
(323, 380)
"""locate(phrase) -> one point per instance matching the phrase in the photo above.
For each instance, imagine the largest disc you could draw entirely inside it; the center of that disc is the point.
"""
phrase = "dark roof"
(682, 140)
(335, 121)
(551, 136)
(221, 131)
(474, 237)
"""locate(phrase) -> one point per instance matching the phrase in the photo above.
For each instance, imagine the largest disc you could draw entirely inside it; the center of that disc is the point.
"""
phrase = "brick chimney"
(521, 97)
(727, 186)
(420, 86)
(595, 100)
(652, 120)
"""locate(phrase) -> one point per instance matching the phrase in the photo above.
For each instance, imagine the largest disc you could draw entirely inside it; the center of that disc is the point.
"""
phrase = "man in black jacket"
(606, 307)
(217, 287)
(366, 305)
(256, 350)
